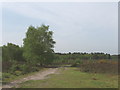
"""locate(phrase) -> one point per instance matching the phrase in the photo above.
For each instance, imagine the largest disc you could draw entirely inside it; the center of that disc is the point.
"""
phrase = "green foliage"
(6, 76)
(11, 55)
(17, 73)
(24, 68)
(73, 58)
(77, 63)
(38, 45)
(11, 52)
(28, 68)
(14, 68)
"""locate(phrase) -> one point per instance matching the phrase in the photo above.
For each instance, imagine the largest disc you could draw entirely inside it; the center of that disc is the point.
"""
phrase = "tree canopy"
(38, 45)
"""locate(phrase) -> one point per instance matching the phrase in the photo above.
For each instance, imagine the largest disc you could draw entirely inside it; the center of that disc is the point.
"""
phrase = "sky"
(77, 26)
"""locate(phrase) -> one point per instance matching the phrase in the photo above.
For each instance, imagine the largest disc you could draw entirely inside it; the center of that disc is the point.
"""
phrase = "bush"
(6, 75)
(18, 69)
(17, 73)
(6, 66)
(25, 68)
(34, 69)
(14, 68)
(102, 61)
(75, 65)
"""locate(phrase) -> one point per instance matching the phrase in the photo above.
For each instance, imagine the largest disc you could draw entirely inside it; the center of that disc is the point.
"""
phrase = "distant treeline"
(86, 55)
(70, 58)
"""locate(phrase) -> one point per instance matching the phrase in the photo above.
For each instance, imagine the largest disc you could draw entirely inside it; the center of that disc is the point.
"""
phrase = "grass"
(72, 78)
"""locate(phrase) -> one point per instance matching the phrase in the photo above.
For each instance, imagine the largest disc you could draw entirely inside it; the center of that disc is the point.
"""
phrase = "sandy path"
(38, 76)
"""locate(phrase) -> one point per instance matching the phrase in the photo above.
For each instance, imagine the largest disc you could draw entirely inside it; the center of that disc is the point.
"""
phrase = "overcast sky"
(83, 27)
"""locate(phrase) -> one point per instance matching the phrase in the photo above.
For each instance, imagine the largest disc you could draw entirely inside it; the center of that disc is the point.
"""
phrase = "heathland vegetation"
(37, 52)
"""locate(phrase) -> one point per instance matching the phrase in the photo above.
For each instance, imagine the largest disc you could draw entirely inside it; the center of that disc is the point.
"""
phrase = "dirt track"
(38, 76)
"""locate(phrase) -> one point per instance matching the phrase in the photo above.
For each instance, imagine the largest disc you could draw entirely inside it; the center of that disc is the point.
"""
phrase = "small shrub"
(6, 75)
(25, 68)
(34, 69)
(75, 65)
(17, 73)
(102, 61)
(14, 68)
